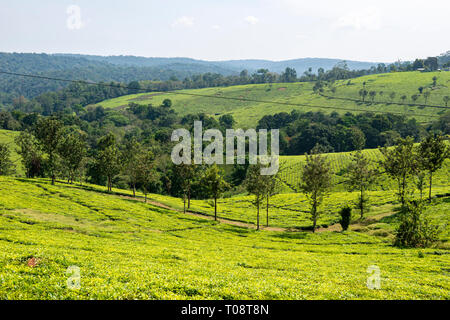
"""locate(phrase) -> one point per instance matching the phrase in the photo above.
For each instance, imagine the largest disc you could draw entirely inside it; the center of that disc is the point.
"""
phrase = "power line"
(210, 96)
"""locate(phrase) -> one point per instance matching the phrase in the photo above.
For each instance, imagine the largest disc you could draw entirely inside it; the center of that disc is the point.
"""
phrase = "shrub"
(415, 230)
(346, 215)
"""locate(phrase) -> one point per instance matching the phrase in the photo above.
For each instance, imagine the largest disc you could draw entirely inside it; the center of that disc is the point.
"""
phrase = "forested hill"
(80, 68)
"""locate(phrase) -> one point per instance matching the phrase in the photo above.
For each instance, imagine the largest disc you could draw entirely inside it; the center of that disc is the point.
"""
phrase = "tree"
(167, 103)
(132, 152)
(72, 150)
(446, 100)
(363, 94)
(289, 75)
(403, 98)
(145, 173)
(49, 133)
(213, 180)
(30, 152)
(361, 177)
(272, 185)
(372, 95)
(392, 96)
(414, 97)
(108, 158)
(315, 181)
(426, 95)
(431, 155)
(185, 172)
(346, 216)
(6, 165)
(255, 183)
(400, 163)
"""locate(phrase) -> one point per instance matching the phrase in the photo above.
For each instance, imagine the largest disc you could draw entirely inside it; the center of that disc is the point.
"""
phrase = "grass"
(247, 113)
(126, 249)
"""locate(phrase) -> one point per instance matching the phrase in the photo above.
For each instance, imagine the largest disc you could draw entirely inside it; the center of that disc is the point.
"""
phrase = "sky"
(364, 30)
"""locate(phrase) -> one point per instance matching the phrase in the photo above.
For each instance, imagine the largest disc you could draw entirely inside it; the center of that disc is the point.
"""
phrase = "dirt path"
(334, 227)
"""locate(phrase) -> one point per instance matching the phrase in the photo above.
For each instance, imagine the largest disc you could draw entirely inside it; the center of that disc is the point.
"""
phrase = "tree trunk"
(189, 198)
(257, 217)
(145, 200)
(267, 212)
(215, 208)
(53, 179)
(184, 202)
(429, 190)
(134, 190)
(361, 206)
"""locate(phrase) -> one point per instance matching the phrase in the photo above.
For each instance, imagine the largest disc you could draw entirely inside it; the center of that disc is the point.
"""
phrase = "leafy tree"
(108, 158)
(167, 103)
(361, 177)
(72, 150)
(415, 229)
(363, 94)
(392, 96)
(446, 100)
(400, 163)
(214, 182)
(132, 152)
(414, 97)
(255, 183)
(431, 155)
(372, 95)
(49, 132)
(272, 184)
(403, 98)
(30, 152)
(426, 95)
(6, 165)
(145, 170)
(315, 181)
(185, 172)
(434, 81)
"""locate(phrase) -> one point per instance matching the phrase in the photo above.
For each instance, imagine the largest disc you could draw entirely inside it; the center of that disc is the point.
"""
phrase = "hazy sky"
(381, 30)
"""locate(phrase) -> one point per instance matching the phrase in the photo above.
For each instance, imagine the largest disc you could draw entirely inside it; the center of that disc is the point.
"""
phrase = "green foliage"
(6, 165)
(415, 229)
(215, 184)
(316, 179)
(346, 216)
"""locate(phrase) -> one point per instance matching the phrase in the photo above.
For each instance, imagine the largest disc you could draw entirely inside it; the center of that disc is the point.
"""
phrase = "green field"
(247, 113)
(126, 249)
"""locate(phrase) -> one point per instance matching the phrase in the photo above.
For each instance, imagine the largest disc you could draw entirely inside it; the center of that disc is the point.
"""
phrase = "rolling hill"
(249, 103)
(125, 249)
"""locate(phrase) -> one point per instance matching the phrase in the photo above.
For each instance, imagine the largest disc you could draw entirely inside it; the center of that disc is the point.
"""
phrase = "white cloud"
(368, 18)
(216, 27)
(183, 22)
(252, 20)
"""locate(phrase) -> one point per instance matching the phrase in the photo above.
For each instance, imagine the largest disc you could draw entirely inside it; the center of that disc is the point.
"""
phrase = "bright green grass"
(129, 250)
(7, 136)
(247, 113)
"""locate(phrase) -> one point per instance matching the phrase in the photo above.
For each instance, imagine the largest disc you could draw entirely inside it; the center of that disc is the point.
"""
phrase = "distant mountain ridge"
(229, 66)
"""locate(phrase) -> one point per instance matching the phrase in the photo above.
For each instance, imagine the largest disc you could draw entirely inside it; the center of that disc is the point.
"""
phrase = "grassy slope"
(247, 114)
(127, 249)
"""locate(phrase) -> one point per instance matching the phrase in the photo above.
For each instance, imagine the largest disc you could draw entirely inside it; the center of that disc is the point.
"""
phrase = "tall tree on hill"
(361, 177)
(372, 95)
(400, 162)
(133, 150)
(315, 181)
(255, 183)
(446, 99)
(72, 150)
(49, 132)
(426, 95)
(392, 96)
(108, 158)
(145, 170)
(6, 165)
(30, 152)
(214, 182)
(185, 172)
(431, 155)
